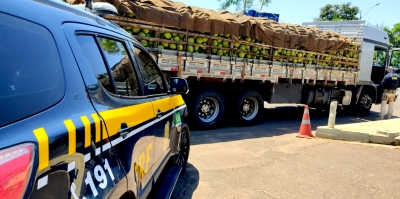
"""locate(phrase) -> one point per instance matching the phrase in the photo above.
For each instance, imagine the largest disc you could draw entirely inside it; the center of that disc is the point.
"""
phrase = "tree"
(394, 35)
(241, 5)
(264, 2)
(111, 46)
(336, 12)
(394, 40)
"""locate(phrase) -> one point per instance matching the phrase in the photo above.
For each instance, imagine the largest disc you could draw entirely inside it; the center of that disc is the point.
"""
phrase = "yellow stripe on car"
(43, 148)
(104, 131)
(163, 105)
(97, 126)
(86, 123)
(131, 115)
(71, 136)
(178, 100)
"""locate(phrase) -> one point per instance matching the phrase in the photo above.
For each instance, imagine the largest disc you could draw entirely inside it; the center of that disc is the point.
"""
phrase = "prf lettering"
(142, 166)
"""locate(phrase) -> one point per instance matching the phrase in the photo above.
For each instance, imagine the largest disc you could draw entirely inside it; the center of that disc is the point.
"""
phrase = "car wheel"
(208, 108)
(248, 108)
(182, 154)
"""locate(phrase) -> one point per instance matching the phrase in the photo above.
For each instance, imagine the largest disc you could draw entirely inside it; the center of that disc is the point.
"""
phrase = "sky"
(386, 13)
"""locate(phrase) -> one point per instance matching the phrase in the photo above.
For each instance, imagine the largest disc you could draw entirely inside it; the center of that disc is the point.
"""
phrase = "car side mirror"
(179, 85)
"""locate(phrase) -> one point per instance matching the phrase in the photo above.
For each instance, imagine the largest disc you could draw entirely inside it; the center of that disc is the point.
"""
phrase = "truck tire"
(365, 102)
(248, 107)
(207, 108)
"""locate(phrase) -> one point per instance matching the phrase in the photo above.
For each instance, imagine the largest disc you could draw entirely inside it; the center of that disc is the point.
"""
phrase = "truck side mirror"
(179, 85)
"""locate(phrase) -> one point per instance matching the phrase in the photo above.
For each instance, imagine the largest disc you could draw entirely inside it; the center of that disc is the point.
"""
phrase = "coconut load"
(173, 25)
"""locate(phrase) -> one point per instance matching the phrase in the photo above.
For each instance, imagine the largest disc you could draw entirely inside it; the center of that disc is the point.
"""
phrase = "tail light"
(15, 168)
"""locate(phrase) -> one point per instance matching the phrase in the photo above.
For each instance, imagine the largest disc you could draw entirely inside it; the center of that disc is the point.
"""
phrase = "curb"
(380, 137)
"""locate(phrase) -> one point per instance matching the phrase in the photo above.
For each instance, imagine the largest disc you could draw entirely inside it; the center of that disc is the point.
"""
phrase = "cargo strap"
(244, 70)
(179, 64)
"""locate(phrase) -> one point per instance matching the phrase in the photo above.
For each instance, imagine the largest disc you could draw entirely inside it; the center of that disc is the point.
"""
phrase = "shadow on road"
(187, 183)
(274, 121)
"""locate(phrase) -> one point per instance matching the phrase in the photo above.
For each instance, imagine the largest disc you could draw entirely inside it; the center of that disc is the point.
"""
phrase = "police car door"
(156, 89)
(117, 96)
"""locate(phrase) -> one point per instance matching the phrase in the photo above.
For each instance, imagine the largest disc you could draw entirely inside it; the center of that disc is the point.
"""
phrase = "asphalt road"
(268, 161)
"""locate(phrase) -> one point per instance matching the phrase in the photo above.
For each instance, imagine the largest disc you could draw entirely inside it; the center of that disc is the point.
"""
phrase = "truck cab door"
(379, 64)
(114, 89)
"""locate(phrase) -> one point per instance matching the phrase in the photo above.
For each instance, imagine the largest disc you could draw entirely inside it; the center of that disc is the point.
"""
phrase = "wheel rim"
(183, 149)
(208, 109)
(249, 108)
(366, 101)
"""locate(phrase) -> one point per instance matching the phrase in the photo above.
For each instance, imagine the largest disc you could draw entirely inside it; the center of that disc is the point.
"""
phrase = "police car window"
(151, 76)
(121, 67)
(31, 77)
(93, 56)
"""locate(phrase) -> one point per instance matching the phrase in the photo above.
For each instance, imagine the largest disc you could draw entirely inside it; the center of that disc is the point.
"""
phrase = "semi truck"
(226, 85)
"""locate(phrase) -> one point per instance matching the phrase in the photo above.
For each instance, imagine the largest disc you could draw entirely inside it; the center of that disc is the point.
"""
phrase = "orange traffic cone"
(305, 128)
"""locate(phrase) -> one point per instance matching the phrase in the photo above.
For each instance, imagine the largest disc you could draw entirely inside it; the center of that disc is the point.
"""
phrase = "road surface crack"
(266, 192)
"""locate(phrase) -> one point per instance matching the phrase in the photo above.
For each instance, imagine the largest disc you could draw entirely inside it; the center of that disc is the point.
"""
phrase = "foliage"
(394, 35)
(336, 12)
(242, 5)
(394, 40)
(111, 46)
(381, 54)
(395, 62)
(264, 3)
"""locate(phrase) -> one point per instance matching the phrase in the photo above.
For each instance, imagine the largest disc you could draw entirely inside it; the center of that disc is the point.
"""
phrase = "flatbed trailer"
(236, 88)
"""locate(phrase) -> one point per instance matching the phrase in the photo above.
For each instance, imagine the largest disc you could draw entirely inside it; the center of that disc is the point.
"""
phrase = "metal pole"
(369, 10)
(332, 114)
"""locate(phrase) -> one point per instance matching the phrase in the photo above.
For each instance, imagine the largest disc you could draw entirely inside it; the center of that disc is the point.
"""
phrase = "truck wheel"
(208, 108)
(182, 155)
(248, 108)
(364, 102)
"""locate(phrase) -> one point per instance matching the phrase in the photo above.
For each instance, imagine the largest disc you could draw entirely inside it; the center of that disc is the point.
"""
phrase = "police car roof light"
(15, 168)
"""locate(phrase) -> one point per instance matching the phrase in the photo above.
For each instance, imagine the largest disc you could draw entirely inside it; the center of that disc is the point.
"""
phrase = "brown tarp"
(192, 18)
